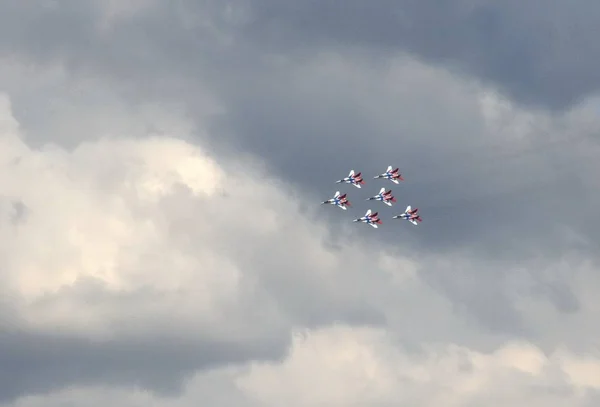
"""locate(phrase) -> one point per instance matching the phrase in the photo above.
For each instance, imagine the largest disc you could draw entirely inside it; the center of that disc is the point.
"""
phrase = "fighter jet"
(338, 200)
(352, 178)
(410, 215)
(383, 196)
(369, 219)
(392, 175)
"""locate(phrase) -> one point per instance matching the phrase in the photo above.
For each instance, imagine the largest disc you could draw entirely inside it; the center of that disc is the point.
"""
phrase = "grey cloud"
(313, 117)
(539, 52)
(312, 123)
(38, 363)
(466, 201)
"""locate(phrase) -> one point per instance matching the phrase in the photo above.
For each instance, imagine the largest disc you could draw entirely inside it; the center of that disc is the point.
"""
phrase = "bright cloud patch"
(344, 366)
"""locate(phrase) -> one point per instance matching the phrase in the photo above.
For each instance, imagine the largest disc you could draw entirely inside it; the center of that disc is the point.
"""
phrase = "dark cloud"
(538, 52)
(38, 363)
(471, 196)
(143, 353)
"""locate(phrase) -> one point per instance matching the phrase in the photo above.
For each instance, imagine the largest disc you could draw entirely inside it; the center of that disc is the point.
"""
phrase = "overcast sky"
(162, 241)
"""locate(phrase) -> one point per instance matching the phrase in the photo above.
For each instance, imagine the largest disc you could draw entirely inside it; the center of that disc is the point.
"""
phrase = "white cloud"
(344, 366)
(131, 235)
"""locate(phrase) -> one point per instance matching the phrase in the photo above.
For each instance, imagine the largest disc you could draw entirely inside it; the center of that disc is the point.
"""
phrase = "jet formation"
(385, 196)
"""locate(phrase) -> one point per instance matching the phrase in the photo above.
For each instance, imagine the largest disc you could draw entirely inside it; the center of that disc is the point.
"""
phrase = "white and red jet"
(392, 175)
(384, 196)
(410, 215)
(338, 200)
(352, 178)
(370, 219)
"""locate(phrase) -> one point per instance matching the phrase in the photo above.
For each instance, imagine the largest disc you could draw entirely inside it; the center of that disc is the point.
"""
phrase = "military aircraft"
(370, 219)
(352, 178)
(338, 200)
(392, 175)
(410, 215)
(383, 196)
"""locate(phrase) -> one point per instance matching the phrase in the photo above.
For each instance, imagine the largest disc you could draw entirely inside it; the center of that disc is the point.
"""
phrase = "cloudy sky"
(162, 164)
